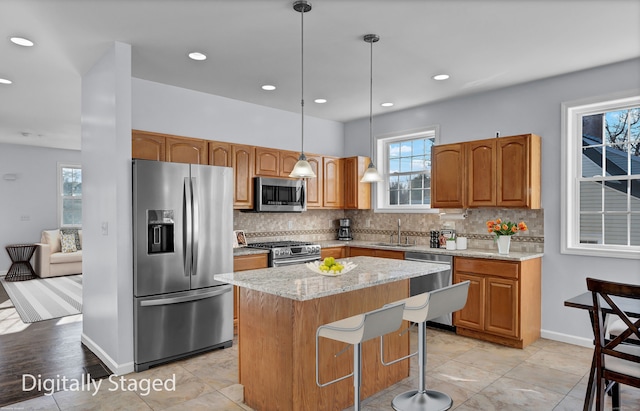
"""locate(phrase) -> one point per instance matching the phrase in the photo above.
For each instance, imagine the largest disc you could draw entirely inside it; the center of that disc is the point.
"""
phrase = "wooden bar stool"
(420, 309)
(356, 330)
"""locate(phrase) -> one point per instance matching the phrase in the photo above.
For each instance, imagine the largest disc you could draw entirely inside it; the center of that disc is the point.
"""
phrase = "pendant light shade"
(302, 169)
(371, 175)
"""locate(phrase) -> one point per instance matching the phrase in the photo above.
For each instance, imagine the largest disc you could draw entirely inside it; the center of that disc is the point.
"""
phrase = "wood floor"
(49, 349)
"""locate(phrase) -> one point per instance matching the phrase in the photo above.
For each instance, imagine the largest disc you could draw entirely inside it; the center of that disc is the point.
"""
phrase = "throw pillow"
(68, 242)
(74, 232)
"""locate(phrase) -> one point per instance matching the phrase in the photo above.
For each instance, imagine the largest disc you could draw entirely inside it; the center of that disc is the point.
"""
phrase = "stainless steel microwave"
(280, 195)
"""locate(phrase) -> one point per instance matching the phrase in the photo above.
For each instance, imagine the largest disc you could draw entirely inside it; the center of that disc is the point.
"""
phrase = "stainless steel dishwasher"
(430, 282)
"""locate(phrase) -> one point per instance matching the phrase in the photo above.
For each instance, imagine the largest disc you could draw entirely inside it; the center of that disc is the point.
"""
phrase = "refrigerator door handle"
(186, 298)
(196, 223)
(187, 232)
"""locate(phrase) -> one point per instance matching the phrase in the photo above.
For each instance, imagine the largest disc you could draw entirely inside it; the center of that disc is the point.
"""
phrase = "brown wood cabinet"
(335, 252)
(503, 305)
(244, 263)
(186, 150)
(315, 186)
(267, 162)
(373, 252)
(357, 195)
(337, 181)
(498, 172)
(219, 154)
(447, 176)
(518, 168)
(333, 182)
(164, 147)
(504, 172)
(242, 161)
(147, 146)
(481, 173)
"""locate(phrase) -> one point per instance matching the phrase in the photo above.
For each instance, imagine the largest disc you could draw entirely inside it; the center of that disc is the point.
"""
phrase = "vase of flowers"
(503, 231)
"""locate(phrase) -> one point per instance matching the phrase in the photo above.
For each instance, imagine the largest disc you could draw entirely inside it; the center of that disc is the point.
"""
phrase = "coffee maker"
(344, 232)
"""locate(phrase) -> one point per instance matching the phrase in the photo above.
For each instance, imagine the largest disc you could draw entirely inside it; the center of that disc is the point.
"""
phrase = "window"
(602, 177)
(70, 195)
(404, 160)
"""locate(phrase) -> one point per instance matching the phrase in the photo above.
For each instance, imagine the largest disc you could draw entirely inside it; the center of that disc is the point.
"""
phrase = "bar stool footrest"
(428, 400)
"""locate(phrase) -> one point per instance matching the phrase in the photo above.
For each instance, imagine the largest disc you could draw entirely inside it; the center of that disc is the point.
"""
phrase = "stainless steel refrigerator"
(182, 236)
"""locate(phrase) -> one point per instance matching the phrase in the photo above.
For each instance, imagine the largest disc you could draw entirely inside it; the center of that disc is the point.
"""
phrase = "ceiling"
(481, 44)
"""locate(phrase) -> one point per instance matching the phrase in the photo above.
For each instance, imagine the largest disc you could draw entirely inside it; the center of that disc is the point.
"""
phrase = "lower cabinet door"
(502, 307)
(472, 315)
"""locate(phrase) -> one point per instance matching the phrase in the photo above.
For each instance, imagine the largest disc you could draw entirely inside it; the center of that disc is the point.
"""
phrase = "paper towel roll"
(461, 243)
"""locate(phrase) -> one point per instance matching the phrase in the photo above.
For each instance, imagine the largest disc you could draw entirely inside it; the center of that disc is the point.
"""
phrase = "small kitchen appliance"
(283, 253)
(344, 232)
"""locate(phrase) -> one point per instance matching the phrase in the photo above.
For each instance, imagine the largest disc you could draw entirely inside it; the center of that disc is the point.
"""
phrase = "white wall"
(29, 204)
(529, 108)
(173, 110)
(106, 199)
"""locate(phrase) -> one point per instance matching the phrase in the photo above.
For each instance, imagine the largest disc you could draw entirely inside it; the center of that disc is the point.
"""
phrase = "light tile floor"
(547, 375)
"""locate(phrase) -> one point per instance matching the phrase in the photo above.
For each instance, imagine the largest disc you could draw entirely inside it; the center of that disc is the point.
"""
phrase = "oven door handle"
(292, 261)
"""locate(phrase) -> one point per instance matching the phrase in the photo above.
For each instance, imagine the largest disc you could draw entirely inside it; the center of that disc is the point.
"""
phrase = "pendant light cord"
(302, 78)
(371, 105)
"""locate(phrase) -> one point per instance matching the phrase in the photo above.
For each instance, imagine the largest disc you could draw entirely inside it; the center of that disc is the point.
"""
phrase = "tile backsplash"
(322, 225)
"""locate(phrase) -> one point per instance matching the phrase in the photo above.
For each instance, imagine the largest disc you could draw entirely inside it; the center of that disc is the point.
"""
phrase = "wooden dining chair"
(614, 360)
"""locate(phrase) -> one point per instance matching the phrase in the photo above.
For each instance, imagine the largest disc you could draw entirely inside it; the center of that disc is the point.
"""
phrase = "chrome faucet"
(399, 232)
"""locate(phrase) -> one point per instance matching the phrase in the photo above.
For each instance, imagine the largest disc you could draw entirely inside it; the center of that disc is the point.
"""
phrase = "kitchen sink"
(393, 245)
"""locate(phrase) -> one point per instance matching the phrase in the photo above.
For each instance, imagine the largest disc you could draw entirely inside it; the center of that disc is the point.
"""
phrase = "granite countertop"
(469, 252)
(298, 282)
(249, 251)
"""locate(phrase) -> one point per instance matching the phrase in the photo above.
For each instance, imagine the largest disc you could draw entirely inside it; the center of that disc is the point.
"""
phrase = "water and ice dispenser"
(160, 231)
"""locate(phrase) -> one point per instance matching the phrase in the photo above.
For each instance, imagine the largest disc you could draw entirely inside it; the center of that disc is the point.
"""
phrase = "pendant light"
(302, 169)
(371, 174)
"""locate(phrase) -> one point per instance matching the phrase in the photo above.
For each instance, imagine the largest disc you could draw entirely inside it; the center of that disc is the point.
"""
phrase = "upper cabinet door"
(267, 162)
(147, 146)
(357, 195)
(242, 159)
(315, 185)
(333, 184)
(288, 160)
(518, 171)
(186, 150)
(481, 173)
(447, 176)
(219, 154)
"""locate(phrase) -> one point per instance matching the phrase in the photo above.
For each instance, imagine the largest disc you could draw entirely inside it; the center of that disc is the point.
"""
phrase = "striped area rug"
(45, 298)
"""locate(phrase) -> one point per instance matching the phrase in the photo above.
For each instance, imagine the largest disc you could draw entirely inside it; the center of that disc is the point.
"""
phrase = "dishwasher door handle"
(427, 261)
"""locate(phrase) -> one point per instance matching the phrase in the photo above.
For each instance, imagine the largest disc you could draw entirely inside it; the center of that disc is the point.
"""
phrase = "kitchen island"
(279, 312)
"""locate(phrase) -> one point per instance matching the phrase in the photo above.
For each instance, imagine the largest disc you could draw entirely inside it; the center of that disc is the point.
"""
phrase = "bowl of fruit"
(330, 267)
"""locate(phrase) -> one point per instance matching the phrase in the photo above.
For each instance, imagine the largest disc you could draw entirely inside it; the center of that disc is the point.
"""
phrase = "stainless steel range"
(289, 252)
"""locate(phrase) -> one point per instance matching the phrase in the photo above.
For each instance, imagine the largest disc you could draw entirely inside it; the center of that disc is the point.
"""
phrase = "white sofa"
(50, 261)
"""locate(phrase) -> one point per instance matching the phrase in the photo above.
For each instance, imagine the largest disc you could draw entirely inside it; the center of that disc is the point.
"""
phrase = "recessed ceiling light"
(5, 81)
(320, 100)
(196, 55)
(268, 87)
(21, 41)
(440, 77)
(387, 104)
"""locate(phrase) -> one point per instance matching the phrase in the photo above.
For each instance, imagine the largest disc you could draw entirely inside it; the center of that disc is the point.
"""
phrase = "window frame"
(380, 191)
(571, 158)
(61, 197)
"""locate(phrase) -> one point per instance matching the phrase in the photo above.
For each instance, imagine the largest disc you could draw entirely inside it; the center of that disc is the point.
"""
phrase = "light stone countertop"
(469, 252)
(249, 251)
(298, 282)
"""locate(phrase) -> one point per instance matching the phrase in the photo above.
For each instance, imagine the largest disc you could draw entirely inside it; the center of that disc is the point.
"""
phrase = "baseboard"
(117, 369)
(566, 338)
(3, 273)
